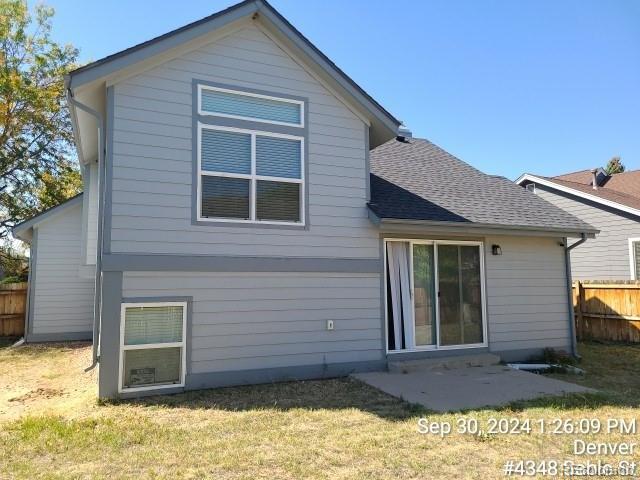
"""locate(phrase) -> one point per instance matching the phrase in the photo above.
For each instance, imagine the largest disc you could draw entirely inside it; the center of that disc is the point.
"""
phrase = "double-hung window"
(249, 175)
(152, 345)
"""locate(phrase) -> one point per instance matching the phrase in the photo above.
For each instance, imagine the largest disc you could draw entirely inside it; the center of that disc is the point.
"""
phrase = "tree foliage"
(614, 166)
(38, 168)
(14, 265)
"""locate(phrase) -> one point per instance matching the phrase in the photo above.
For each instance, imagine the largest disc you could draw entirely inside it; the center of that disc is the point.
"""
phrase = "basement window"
(152, 345)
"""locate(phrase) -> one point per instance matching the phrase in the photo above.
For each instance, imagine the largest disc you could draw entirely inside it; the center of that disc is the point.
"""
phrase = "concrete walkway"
(466, 388)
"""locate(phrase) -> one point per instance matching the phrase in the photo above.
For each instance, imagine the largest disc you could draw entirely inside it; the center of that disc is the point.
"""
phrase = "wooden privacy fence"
(607, 310)
(13, 308)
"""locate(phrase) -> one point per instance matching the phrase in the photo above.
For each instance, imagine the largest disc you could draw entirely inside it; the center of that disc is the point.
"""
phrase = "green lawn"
(318, 429)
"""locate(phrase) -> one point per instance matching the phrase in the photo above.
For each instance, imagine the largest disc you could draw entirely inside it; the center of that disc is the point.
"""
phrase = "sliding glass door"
(460, 294)
(442, 307)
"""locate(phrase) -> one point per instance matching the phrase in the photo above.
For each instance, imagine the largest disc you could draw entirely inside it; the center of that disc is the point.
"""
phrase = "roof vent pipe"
(594, 178)
(403, 134)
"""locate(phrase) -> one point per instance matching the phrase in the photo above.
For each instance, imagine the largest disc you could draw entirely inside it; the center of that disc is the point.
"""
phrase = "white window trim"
(436, 347)
(253, 177)
(241, 93)
(632, 258)
(149, 346)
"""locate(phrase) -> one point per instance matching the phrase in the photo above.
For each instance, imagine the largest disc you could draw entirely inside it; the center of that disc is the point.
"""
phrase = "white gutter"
(101, 173)
(480, 227)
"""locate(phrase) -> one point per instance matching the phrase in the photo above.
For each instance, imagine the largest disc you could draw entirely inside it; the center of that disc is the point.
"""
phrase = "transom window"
(250, 176)
(229, 103)
(152, 345)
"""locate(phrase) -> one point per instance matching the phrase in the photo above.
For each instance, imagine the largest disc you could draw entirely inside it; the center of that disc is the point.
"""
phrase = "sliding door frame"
(483, 294)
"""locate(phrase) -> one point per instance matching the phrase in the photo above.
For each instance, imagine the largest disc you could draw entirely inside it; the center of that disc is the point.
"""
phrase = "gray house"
(250, 214)
(611, 203)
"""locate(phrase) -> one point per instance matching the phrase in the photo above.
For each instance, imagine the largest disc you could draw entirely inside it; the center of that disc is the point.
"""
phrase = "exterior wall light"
(496, 250)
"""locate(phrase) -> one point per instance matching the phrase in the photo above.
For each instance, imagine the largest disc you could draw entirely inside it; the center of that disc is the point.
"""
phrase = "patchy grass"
(45, 378)
(318, 429)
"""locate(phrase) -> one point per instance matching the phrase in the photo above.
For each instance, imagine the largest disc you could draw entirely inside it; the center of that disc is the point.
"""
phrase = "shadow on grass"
(610, 369)
(8, 341)
(329, 394)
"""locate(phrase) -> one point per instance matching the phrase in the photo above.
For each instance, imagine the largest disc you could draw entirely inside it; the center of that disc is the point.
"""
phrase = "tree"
(614, 166)
(38, 168)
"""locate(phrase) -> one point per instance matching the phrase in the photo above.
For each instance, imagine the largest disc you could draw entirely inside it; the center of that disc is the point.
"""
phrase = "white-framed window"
(152, 346)
(224, 102)
(250, 176)
(634, 258)
(531, 187)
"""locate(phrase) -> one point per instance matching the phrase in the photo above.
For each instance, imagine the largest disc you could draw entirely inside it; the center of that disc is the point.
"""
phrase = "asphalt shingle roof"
(606, 192)
(625, 182)
(417, 180)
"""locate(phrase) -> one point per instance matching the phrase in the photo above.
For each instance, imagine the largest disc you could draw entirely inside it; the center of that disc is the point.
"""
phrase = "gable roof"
(23, 229)
(620, 191)
(625, 182)
(416, 180)
(117, 61)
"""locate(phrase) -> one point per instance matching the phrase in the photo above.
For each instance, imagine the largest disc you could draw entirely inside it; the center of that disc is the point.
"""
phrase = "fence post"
(579, 308)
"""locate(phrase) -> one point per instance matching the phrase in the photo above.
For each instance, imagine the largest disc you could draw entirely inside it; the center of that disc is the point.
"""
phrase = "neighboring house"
(611, 203)
(241, 231)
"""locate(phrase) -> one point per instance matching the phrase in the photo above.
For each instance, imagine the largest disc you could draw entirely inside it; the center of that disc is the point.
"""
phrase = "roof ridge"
(571, 173)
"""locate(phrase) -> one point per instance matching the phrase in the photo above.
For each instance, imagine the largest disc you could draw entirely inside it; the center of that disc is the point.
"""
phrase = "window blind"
(236, 104)
(144, 325)
(278, 157)
(228, 152)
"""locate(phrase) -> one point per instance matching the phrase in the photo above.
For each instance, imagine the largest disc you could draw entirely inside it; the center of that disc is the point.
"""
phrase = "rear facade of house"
(228, 215)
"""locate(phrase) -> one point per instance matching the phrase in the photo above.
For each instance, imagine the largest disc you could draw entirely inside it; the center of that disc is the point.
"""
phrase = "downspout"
(28, 303)
(567, 263)
(101, 176)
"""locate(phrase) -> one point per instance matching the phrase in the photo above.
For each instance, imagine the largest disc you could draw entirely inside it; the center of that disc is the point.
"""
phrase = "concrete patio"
(451, 389)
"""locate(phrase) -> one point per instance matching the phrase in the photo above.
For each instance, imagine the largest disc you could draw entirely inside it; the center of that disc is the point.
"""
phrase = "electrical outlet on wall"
(329, 324)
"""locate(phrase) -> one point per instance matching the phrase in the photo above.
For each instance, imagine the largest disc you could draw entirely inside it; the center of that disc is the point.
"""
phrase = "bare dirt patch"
(47, 377)
(39, 393)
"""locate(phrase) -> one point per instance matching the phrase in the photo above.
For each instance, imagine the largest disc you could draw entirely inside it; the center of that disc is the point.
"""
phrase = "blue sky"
(509, 86)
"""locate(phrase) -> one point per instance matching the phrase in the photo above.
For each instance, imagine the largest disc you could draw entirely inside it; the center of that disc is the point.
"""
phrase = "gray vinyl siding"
(152, 159)
(245, 321)
(63, 301)
(605, 257)
(91, 200)
(526, 294)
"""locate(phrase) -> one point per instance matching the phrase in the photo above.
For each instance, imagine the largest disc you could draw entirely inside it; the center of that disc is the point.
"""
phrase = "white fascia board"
(548, 183)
